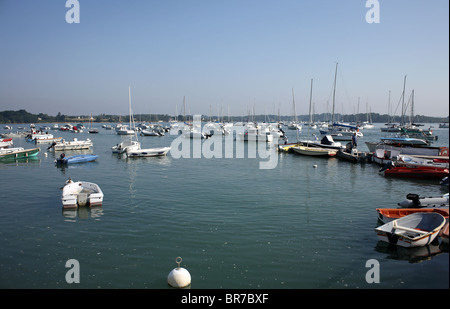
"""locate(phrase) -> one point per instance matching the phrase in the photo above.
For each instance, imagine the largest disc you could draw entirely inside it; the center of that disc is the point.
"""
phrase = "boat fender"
(179, 277)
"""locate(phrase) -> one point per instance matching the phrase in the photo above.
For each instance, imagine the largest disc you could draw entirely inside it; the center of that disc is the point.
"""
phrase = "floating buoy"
(45, 154)
(315, 165)
(179, 277)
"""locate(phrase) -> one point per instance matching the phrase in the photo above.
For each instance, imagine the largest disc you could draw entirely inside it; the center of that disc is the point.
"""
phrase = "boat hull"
(416, 172)
(151, 152)
(415, 230)
(81, 193)
(314, 151)
(19, 154)
(77, 159)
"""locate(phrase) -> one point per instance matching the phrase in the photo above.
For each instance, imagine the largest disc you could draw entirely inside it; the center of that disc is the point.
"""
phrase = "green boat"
(18, 153)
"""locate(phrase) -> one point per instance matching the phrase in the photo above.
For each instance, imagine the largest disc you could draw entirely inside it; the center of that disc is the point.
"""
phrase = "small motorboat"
(150, 152)
(415, 201)
(415, 230)
(386, 215)
(81, 193)
(76, 158)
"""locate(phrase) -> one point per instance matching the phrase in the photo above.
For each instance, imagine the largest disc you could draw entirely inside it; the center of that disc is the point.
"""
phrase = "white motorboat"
(415, 201)
(75, 144)
(149, 152)
(256, 134)
(126, 145)
(81, 193)
(124, 130)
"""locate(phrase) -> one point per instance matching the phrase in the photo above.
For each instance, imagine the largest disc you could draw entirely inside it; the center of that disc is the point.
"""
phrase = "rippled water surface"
(235, 225)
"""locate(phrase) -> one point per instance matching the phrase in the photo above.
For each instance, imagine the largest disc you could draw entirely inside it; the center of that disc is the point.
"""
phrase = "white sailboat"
(305, 148)
(340, 132)
(128, 144)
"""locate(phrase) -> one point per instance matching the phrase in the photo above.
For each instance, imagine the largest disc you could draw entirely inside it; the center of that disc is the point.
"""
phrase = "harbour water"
(236, 226)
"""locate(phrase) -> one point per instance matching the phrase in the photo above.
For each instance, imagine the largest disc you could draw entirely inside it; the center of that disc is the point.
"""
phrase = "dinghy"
(81, 193)
(76, 159)
(386, 215)
(415, 201)
(415, 230)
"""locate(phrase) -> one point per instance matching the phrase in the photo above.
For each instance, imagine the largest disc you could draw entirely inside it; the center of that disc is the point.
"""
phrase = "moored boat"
(149, 152)
(418, 172)
(75, 144)
(18, 153)
(314, 151)
(415, 201)
(81, 193)
(386, 215)
(414, 230)
(5, 142)
(76, 158)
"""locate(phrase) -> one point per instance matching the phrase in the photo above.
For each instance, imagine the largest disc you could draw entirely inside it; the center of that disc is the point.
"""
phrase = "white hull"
(126, 146)
(81, 193)
(414, 230)
(150, 152)
(72, 145)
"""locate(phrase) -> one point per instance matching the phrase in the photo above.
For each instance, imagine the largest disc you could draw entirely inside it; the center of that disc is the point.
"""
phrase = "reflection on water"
(412, 255)
(83, 213)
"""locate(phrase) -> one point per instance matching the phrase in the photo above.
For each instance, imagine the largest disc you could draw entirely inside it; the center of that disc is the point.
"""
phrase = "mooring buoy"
(179, 277)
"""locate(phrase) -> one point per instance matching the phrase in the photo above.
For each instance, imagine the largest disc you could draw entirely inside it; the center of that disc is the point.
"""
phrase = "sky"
(224, 57)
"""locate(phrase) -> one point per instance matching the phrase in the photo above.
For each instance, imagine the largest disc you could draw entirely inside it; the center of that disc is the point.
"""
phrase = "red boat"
(420, 172)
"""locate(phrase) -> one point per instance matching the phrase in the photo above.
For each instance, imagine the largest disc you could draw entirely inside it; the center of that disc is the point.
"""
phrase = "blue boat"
(76, 159)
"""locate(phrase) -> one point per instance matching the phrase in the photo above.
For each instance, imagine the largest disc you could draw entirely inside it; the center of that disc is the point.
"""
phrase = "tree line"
(22, 116)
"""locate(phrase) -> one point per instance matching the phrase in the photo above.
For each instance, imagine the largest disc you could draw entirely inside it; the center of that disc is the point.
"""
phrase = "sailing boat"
(340, 132)
(305, 148)
(135, 149)
(128, 144)
(91, 129)
(294, 125)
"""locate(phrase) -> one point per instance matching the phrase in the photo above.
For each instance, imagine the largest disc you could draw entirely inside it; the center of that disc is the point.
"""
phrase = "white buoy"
(45, 154)
(315, 165)
(179, 277)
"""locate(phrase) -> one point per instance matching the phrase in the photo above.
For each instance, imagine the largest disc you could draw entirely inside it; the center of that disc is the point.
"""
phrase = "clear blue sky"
(234, 54)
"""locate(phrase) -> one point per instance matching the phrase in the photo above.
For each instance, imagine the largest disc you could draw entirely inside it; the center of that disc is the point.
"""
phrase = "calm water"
(234, 225)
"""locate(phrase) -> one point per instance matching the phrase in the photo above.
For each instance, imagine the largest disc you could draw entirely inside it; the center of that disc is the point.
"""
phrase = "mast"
(403, 103)
(310, 100)
(334, 93)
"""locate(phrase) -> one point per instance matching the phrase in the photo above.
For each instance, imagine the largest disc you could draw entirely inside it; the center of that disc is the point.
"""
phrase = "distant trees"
(22, 116)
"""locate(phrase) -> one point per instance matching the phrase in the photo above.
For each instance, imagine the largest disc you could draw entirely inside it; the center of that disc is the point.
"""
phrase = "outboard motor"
(414, 198)
(52, 145)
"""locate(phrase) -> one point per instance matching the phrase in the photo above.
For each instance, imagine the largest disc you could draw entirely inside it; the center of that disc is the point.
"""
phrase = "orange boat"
(444, 233)
(388, 214)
